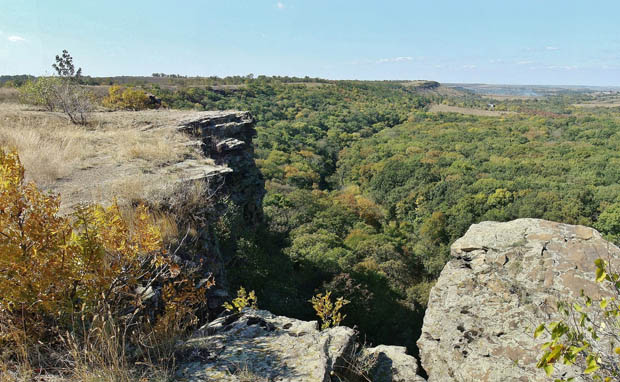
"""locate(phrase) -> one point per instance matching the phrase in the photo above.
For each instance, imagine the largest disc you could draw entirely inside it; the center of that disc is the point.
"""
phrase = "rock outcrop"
(391, 364)
(226, 137)
(504, 280)
(258, 346)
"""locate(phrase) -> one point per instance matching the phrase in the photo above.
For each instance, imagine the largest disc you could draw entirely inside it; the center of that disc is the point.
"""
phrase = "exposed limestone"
(259, 346)
(503, 281)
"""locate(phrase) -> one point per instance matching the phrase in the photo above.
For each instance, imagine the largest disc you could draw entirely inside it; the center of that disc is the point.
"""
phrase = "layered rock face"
(226, 137)
(503, 281)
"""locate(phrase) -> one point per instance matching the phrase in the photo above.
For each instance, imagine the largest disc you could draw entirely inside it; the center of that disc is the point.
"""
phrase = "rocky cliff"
(232, 180)
(226, 138)
(505, 279)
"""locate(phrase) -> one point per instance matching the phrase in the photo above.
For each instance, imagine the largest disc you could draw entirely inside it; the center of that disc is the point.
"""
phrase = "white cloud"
(469, 66)
(280, 5)
(562, 67)
(394, 59)
(15, 38)
(552, 48)
(526, 62)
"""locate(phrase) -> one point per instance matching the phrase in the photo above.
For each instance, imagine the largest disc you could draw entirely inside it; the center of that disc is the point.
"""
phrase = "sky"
(539, 42)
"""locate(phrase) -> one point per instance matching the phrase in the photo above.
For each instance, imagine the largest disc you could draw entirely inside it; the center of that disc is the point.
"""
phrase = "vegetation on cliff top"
(368, 187)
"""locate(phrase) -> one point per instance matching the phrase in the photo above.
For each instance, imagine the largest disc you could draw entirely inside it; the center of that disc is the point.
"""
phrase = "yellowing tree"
(128, 99)
(52, 265)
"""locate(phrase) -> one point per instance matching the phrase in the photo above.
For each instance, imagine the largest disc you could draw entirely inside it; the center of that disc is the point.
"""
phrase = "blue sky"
(565, 42)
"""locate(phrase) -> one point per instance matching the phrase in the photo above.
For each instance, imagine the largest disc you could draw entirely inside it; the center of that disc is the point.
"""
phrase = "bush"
(40, 92)
(92, 278)
(243, 300)
(328, 312)
(75, 101)
(127, 99)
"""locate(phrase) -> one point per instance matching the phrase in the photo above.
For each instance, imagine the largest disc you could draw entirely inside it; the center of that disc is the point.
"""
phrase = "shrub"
(243, 300)
(75, 101)
(589, 335)
(40, 92)
(128, 99)
(88, 277)
(63, 92)
(328, 312)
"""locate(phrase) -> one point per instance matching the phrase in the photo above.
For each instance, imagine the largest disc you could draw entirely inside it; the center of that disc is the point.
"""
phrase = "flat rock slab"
(503, 281)
(258, 346)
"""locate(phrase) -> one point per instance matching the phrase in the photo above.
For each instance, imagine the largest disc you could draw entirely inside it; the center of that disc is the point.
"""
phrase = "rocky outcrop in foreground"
(504, 280)
(258, 346)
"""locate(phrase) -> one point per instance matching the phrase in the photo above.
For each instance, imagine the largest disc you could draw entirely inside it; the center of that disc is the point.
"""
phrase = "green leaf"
(600, 274)
(548, 369)
(603, 303)
(555, 353)
(591, 369)
(600, 263)
(592, 365)
(539, 330)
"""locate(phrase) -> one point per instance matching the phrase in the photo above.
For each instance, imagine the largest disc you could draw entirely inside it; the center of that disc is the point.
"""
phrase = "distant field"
(598, 104)
(440, 108)
(606, 102)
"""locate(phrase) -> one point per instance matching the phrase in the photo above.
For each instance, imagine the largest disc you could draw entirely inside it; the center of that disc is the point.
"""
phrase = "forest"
(367, 189)
(368, 184)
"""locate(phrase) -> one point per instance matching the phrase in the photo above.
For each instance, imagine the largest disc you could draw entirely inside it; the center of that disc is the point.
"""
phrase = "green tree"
(609, 222)
(41, 92)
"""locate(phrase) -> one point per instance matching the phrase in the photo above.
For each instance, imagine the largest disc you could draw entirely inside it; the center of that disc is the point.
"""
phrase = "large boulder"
(390, 364)
(258, 346)
(505, 279)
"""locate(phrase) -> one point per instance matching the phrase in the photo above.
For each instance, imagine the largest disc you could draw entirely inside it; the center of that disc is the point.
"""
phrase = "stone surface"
(259, 346)
(226, 138)
(504, 280)
(391, 364)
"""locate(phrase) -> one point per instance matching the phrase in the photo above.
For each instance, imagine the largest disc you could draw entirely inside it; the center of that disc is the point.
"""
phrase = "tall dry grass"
(120, 154)
(9, 95)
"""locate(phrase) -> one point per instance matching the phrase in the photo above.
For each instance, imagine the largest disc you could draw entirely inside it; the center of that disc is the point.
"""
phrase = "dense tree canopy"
(367, 189)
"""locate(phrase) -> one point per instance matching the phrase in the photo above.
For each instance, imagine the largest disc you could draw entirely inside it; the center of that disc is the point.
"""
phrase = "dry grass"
(440, 108)
(9, 95)
(125, 155)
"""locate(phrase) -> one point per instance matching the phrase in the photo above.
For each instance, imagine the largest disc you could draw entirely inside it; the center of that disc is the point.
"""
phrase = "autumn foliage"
(64, 273)
(126, 98)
